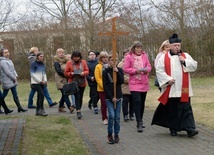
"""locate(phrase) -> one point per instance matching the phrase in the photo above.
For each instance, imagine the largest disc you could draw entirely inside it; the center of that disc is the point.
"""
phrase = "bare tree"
(91, 12)
(6, 9)
(193, 20)
(59, 9)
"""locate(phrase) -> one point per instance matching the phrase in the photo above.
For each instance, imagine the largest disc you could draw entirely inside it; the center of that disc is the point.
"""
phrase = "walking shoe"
(71, 109)
(96, 111)
(32, 107)
(139, 127)
(126, 119)
(105, 122)
(79, 116)
(143, 126)
(89, 105)
(192, 133)
(110, 139)
(74, 106)
(116, 139)
(41, 112)
(173, 132)
(61, 109)
(53, 104)
(1, 112)
(131, 118)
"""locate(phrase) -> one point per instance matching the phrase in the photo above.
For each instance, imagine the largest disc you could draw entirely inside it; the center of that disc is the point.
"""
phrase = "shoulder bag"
(70, 88)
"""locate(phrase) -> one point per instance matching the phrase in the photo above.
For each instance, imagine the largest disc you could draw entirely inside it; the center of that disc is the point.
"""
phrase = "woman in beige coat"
(60, 61)
(127, 104)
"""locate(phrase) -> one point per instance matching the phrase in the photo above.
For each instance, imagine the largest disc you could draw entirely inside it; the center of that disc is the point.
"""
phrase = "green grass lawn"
(52, 135)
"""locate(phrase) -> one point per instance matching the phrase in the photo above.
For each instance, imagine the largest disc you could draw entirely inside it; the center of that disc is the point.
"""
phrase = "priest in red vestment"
(173, 72)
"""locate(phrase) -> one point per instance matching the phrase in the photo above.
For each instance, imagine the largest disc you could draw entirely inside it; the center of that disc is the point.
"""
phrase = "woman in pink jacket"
(137, 65)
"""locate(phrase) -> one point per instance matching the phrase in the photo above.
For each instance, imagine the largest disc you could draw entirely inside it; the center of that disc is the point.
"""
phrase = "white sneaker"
(105, 122)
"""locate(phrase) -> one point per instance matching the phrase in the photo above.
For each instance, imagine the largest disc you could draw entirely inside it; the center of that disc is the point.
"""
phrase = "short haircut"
(76, 54)
(103, 54)
(59, 49)
(32, 49)
(92, 52)
(2, 51)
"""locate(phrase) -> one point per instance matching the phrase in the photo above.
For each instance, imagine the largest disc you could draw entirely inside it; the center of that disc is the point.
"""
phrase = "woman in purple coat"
(137, 65)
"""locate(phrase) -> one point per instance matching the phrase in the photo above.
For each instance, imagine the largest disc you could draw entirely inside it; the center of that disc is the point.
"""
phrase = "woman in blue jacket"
(38, 82)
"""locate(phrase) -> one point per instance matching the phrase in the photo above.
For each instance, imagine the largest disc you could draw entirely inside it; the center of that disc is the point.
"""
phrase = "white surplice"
(176, 73)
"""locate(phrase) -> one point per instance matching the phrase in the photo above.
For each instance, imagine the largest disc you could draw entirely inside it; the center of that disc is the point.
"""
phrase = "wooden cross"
(113, 34)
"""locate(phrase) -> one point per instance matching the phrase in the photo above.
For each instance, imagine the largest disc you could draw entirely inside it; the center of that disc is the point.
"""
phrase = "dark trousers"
(139, 104)
(94, 97)
(40, 95)
(102, 96)
(128, 105)
(79, 98)
(64, 98)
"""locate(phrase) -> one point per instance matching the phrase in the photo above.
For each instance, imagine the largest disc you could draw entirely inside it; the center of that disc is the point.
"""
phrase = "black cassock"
(174, 115)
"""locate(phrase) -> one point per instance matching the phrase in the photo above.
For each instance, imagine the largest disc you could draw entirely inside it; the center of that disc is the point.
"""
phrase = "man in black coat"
(92, 62)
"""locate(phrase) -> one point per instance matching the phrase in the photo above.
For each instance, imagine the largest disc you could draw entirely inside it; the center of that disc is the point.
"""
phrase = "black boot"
(6, 110)
(20, 109)
(139, 127)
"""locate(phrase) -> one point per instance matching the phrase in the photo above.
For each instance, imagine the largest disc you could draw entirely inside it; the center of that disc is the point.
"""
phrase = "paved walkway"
(154, 139)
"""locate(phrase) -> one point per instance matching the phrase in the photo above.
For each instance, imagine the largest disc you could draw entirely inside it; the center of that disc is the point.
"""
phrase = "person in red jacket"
(76, 70)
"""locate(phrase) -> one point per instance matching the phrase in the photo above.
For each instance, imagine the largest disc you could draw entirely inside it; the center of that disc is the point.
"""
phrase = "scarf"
(185, 83)
(138, 63)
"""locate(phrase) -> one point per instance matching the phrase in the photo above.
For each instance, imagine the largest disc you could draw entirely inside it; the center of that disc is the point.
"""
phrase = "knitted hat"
(174, 39)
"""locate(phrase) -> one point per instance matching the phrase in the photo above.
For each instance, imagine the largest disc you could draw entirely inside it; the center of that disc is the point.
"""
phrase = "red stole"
(185, 83)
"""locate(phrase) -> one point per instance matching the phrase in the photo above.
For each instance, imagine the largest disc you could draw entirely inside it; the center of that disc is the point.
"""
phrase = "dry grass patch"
(203, 113)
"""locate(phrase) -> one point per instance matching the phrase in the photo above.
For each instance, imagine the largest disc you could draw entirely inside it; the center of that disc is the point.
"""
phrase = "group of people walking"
(127, 90)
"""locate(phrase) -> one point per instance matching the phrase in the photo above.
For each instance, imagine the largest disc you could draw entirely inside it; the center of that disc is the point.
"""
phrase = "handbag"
(79, 79)
(70, 88)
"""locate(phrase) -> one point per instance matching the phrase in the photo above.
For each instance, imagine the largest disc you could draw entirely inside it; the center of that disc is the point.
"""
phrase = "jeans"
(46, 94)
(13, 90)
(139, 104)
(64, 98)
(113, 116)
(73, 100)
